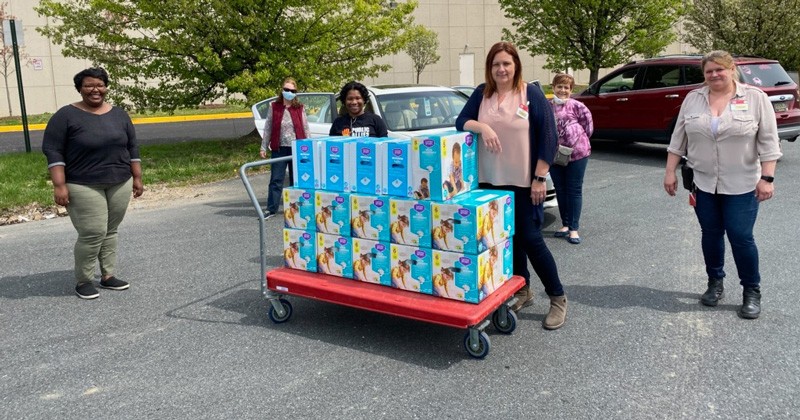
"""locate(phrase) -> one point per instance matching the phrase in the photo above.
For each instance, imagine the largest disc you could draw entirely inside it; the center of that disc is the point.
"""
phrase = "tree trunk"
(593, 75)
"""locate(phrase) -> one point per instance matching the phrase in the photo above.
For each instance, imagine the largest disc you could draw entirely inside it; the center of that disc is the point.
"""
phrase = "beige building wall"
(466, 29)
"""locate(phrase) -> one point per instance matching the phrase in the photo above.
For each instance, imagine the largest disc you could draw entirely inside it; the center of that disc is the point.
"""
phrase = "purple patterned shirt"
(574, 125)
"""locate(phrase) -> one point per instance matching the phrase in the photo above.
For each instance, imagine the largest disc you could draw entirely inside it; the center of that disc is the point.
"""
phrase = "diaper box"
(372, 261)
(369, 217)
(306, 156)
(363, 155)
(444, 165)
(334, 255)
(335, 172)
(397, 175)
(471, 278)
(299, 250)
(332, 212)
(410, 221)
(411, 268)
(472, 222)
(298, 208)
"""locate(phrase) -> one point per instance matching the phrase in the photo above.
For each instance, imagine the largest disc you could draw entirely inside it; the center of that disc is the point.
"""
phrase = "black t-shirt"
(94, 149)
(366, 124)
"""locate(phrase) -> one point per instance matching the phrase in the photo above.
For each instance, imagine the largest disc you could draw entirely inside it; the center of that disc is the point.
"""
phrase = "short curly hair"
(96, 72)
(353, 85)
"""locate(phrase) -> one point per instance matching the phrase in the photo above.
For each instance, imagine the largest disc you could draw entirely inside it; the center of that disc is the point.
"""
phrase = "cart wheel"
(275, 317)
(481, 347)
(507, 325)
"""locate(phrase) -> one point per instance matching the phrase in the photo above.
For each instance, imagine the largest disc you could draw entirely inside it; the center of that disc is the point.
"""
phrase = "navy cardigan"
(542, 132)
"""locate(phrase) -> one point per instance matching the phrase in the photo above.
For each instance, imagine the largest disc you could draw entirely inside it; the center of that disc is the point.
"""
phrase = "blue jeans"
(277, 174)
(568, 181)
(734, 215)
(528, 242)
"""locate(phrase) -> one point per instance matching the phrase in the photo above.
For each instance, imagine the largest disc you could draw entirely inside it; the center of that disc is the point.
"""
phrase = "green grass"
(24, 178)
(208, 109)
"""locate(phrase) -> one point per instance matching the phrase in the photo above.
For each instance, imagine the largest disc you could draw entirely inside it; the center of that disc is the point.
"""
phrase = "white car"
(408, 110)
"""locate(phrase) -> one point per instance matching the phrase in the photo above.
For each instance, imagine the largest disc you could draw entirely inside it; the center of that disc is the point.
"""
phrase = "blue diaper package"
(298, 208)
(299, 250)
(332, 212)
(372, 261)
(444, 165)
(306, 163)
(471, 278)
(411, 268)
(334, 255)
(410, 221)
(369, 217)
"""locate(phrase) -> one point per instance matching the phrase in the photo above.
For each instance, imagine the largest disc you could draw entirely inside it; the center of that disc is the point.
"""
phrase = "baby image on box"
(334, 255)
(369, 216)
(299, 250)
(443, 236)
(454, 183)
(410, 222)
(411, 268)
(298, 208)
(332, 212)
(371, 261)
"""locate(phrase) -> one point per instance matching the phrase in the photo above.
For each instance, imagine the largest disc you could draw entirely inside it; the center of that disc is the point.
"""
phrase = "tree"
(421, 47)
(165, 54)
(766, 28)
(7, 67)
(591, 34)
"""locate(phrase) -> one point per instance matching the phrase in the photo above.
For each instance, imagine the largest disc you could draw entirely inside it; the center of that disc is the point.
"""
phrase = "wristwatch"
(538, 178)
(768, 178)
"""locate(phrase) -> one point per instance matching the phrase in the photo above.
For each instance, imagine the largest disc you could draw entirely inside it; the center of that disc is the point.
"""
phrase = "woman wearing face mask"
(355, 121)
(574, 124)
(280, 130)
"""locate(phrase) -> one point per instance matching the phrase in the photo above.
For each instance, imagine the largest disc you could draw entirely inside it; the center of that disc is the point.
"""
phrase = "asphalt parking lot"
(191, 338)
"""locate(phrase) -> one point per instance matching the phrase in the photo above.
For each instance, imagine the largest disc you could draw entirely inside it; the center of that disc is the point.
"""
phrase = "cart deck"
(388, 300)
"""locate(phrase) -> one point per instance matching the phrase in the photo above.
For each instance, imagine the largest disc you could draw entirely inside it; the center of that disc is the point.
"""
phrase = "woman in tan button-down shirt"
(728, 133)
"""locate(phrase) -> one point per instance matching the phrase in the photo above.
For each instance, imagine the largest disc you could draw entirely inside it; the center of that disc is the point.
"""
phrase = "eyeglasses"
(290, 90)
(91, 87)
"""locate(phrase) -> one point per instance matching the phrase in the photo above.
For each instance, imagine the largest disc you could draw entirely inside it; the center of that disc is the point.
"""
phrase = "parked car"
(408, 110)
(466, 90)
(640, 100)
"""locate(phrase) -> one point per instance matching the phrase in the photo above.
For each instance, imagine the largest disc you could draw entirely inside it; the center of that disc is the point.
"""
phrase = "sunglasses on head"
(290, 90)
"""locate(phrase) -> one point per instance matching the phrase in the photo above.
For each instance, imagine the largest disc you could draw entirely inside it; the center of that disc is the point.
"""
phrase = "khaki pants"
(96, 211)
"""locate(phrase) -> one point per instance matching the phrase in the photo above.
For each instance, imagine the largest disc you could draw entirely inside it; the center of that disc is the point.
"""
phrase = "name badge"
(522, 111)
(739, 105)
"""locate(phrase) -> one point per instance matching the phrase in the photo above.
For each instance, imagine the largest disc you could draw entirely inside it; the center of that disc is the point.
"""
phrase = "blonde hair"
(562, 78)
(723, 58)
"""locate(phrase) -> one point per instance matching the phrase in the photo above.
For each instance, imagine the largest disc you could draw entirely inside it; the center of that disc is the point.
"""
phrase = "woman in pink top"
(729, 135)
(517, 144)
(574, 122)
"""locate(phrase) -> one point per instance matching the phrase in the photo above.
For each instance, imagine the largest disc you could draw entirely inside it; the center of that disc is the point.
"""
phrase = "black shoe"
(114, 283)
(714, 293)
(269, 214)
(86, 291)
(751, 303)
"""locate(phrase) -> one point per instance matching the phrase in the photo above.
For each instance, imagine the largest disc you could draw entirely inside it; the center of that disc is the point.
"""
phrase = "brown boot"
(524, 298)
(558, 313)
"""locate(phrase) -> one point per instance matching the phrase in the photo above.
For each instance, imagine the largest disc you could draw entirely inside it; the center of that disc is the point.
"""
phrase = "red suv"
(640, 100)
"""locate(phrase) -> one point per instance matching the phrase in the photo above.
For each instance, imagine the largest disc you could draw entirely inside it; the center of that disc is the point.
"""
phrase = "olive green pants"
(96, 212)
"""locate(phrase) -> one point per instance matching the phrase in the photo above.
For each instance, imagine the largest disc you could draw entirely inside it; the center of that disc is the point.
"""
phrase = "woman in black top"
(355, 121)
(94, 163)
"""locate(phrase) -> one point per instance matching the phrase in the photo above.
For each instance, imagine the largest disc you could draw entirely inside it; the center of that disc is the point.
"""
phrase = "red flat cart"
(278, 283)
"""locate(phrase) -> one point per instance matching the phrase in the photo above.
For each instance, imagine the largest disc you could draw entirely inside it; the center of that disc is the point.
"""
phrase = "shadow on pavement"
(52, 284)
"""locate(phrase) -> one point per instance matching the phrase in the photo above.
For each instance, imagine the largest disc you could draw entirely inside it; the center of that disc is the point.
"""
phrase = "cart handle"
(261, 221)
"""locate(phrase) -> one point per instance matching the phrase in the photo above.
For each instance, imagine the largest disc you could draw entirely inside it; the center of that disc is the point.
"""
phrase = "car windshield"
(414, 111)
(764, 74)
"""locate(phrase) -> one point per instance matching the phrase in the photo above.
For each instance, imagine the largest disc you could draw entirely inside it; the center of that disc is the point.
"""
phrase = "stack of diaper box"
(398, 212)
